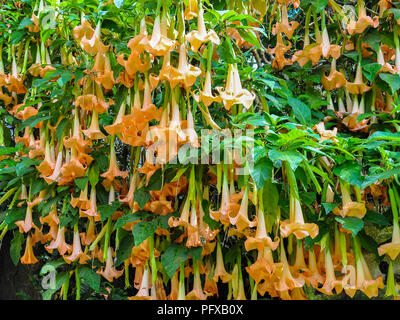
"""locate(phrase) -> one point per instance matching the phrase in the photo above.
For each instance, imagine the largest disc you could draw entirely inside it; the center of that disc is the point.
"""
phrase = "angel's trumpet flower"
(219, 271)
(158, 44)
(77, 253)
(206, 95)
(280, 61)
(365, 282)
(328, 49)
(59, 243)
(392, 249)
(383, 6)
(191, 10)
(104, 73)
(113, 170)
(261, 238)
(29, 256)
(46, 167)
(264, 267)
(284, 26)
(386, 67)
(186, 74)
(241, 220)
(197, 37)
(296, 224)
(325, 134)
(94, 132)
(92, 210)
(148, 111)
(72, 169)
(129, 198)
(183, 220)
(330, 279)
(76, 141)
(299, 266)
(93, 44)
(89, 236)
(193, 230)
(363, 20)
(190, 131)
(116, 126)
(358, 86)
(349, 207)
(233, 93)
(334, 80)
(82, 202)
(57, 169)
(312, 276)
(197, 292)
(222, 214)
(286, 281)
(27, 224)
(15, 81)
(109, 272)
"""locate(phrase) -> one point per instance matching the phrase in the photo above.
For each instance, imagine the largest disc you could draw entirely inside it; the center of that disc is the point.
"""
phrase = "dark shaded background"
(16, 279)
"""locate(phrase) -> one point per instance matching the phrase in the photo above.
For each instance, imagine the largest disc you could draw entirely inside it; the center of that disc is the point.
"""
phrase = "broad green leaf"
(141, 197)
(90, 277)
(261, 171)
(292, 156)
(172, 258)
(370, 70)
(301, 110)
(125, 249)
(352, 224)
(142, 230)
(393, 80)
(108, 209)
(16, 246)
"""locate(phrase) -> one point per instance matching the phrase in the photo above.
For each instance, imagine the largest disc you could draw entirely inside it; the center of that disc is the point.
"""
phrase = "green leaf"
(350, 172)
(261, 171)
(141, 197)
(352, 224)
(142, 230)
(81, 182)
(16, 246)
(173, 257)
(393, 80)
(376, 218)
(90, 277)
(107, 210)
(225, 52)
(125, 249)
(294, 157)
(126, 219)
(301, 110)
(94, 174)
(370, 70)
(214, 225)
(155, 182)
(249, 36)
(328, 207)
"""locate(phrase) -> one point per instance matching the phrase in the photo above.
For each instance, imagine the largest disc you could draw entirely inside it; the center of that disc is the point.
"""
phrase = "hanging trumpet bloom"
(197, 37)
(285, 26)
(109, 272)
(334, 80)
(363, 21)
(233, 93)
(296, 224)
(29, 256)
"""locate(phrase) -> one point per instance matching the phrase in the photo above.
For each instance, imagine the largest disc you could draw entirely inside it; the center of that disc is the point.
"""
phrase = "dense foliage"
(194, 149)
